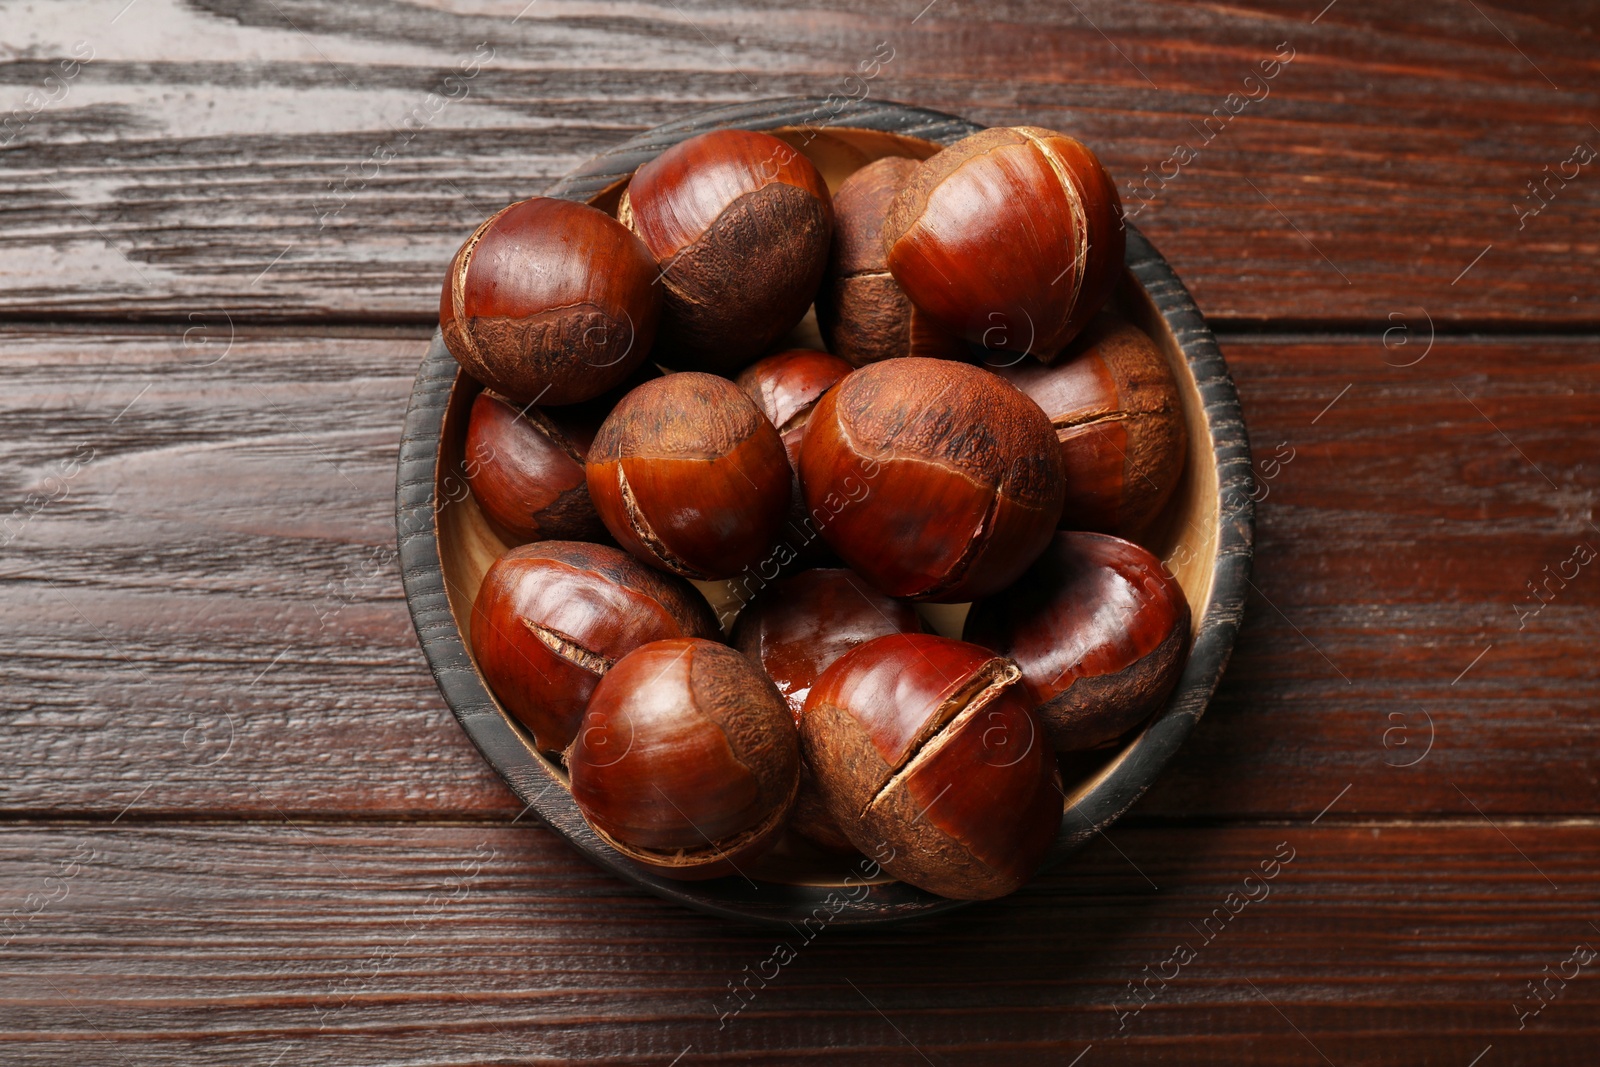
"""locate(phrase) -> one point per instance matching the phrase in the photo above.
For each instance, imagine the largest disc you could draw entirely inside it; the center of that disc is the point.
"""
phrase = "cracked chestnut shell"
(862, 312)
(689, 476)
(550, 302)
(924, 749)
(740, 224)
(1100, 629)
(1012, 238)
(932, 479)
(687, 761)
(794, 629)
(552, 617)
(1116, 410)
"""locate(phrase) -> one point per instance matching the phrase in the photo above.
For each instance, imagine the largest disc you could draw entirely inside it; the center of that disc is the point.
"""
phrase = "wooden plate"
(1206, 535)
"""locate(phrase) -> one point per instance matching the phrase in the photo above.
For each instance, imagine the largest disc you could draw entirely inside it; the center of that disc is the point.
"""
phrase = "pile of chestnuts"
(982, 429)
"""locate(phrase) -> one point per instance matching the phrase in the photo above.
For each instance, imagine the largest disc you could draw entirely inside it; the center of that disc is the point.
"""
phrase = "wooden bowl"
(446, 546)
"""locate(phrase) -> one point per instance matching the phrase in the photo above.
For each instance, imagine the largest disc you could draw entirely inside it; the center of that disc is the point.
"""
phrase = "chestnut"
(551, 618)
(862, 312)
(934, 480)
(786, 386)
(1100, 630)
(525, 467)
(550, 302)
(1116, 410)
(1011, 237)
(525, 464)
(795, 629)
(924, 749)
(740, 223)
(689, 476)
(687, 761)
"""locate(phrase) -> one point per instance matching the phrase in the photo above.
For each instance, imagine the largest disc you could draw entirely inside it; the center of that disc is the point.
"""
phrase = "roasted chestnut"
(550, 302)
(934, 480)
(689, 476)
(787, 386)
(924, 751)
(862, 312)
(795, 629)
(1100, 630)
(740, 223)
(687, 761)
(1115, 407)
(1011, 237)
(551, 618)
(798, 626)
(525, 467)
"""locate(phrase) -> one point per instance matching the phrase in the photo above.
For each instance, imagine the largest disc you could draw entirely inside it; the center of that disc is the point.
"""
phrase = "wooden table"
(239, 824)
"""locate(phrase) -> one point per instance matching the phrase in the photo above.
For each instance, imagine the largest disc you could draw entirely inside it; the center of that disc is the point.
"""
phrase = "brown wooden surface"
(204, 141)
(214, 714)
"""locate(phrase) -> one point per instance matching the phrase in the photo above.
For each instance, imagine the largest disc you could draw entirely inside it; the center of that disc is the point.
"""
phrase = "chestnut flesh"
(1011, 237)
(551, 618)
(689, 476)
(932, 479)
(1100, 630)
(1116, 410)
(925, 751)
(862, 312)
(740, 224)
(687, 761)
(550, 302)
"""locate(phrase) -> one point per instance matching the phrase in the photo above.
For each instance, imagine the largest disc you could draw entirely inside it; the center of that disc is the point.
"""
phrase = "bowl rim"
(1116, 787)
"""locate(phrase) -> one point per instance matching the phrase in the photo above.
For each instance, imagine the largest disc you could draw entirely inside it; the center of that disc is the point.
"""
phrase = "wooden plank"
(218, 564)
(201, 595)
(1407, 509)
(431, 944)
(318, 160)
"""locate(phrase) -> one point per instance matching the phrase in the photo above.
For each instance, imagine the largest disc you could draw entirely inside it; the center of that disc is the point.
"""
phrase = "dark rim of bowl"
(507, 750)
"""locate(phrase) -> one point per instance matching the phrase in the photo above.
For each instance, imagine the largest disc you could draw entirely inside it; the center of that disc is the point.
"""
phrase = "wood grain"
(384, 944)
(224, 566)
(311, 160)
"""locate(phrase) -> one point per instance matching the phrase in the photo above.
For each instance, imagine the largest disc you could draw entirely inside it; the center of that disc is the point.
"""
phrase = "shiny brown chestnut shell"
(1116, 410)
(1011, 237)
(862, 312)
(550, 302)
(794, 629)
(690, 477)
(932, 479)
(740, 224)
(552, 617)
(786, 387)
(797, 627)
(525, 467)
(926, 753)
(687, 760)
(1100, 629)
